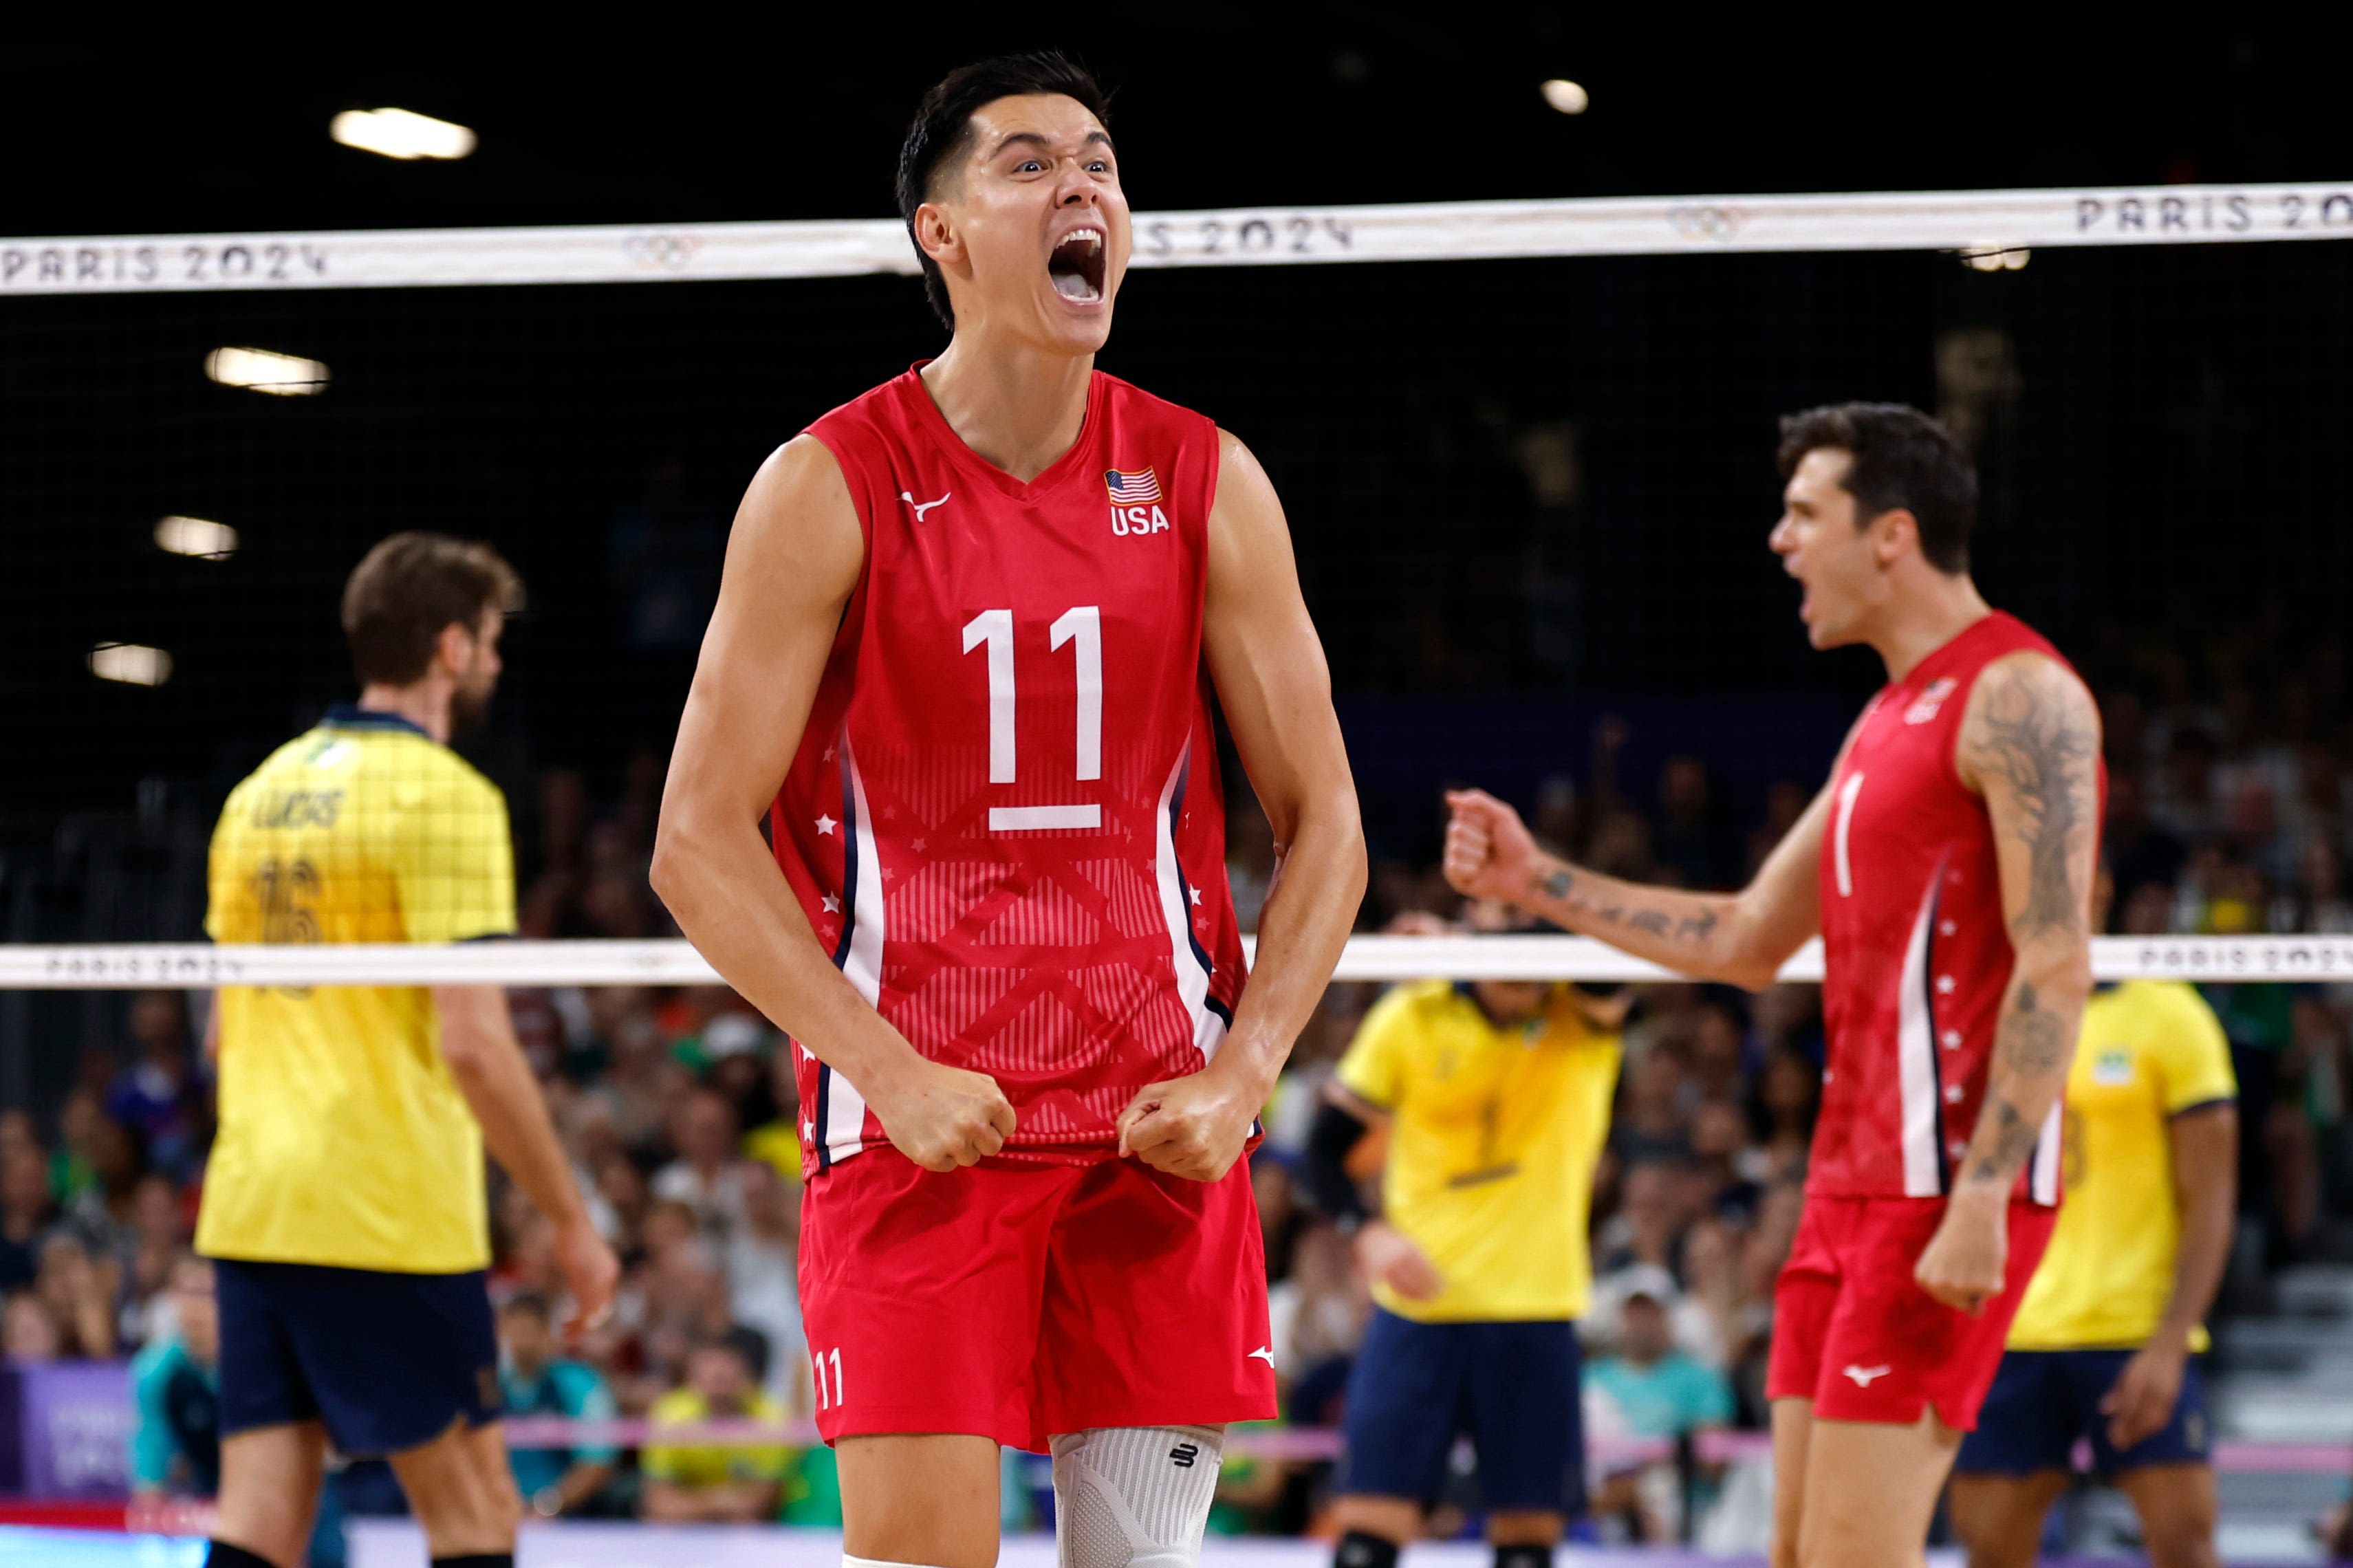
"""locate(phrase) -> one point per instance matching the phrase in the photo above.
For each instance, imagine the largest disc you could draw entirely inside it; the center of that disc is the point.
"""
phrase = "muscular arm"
(2031, 743)
(478, 1041)
(1743, 938)
(1276, 692)
(792, 561)
(2206, 1194)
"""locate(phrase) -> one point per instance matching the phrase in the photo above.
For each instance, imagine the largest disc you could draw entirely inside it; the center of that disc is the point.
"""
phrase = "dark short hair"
(942, 134)
(1901, 458)
(407, 589)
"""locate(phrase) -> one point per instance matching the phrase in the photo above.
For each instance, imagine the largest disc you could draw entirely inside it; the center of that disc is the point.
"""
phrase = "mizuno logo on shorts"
(1864, 1377)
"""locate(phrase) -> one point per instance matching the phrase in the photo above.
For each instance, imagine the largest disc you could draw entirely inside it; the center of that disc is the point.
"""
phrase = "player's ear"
(1894, 532)
(936, 235)
(454, 648)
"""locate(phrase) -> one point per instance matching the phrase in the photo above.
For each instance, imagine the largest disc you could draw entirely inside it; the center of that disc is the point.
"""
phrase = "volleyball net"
(1526, 449)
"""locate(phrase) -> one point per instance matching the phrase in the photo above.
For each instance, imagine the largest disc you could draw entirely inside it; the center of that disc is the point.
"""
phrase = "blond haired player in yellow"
(2102, 1343)
(343, 1202)
(1496, 1098)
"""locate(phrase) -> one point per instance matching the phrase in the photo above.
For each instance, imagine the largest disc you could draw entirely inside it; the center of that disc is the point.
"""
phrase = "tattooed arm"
(1742, 937)
(2030, 744)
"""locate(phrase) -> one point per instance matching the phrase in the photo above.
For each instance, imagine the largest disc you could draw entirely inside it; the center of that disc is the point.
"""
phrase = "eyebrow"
(1036, 140)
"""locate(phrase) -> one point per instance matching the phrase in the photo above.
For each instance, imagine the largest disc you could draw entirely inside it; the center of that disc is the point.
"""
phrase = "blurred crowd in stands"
(2229, 813)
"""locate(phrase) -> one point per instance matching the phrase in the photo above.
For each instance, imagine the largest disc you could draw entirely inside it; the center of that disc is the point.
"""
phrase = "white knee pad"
(1134, 1497)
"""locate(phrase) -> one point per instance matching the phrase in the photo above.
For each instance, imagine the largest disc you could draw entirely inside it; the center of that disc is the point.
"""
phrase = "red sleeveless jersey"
(1916, 953)
(1004, 818)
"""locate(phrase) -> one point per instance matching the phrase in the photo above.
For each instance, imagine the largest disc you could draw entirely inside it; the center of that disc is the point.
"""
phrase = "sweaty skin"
(2030, 744)
(1032, 171)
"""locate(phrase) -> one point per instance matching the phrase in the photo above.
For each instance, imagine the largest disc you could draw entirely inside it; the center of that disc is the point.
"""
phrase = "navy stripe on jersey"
(1936, 1041)
(824, 1121)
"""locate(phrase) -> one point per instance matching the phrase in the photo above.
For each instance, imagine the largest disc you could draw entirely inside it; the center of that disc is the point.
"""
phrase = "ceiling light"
(133, 663)
(260, 370)
(198, 536)
(397, 133)
(1993, 259)
(1566, 95)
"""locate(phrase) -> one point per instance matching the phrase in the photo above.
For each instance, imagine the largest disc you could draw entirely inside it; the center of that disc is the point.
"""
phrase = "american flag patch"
(1139, 489)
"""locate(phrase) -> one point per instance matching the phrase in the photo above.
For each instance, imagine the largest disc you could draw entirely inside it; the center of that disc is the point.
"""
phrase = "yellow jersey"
(713, 1464)
(1493, 1136)
(344, 1141)
(2150, 1050)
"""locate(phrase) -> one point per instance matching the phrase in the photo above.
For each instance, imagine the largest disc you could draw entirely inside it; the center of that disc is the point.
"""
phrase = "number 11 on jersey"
(1083, 627)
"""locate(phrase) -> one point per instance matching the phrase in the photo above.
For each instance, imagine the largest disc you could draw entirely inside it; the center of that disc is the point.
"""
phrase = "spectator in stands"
(1648, 1228)
(158, 1097)
(716, 1483)
(76, 1294)
(72, 1169)
(778, 1141)
(763, 1283)
(175, 1384)
(536, 1382)
(103, 1211)
(28, 1334)
(1781, 1112)
(1653, 1120)
(159, 1235)
(706, 1176)
(26, 1211)
(1719, 1139)
(1649, 1389)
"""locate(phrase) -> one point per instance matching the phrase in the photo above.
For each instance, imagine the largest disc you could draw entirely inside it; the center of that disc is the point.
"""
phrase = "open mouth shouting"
(1075, 266)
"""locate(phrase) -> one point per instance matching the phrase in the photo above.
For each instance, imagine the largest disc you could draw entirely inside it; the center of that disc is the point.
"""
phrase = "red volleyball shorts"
(1020, 1301)
(1852, 1331)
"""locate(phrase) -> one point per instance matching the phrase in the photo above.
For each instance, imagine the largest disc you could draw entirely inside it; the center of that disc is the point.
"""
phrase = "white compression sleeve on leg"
(1134, 1497)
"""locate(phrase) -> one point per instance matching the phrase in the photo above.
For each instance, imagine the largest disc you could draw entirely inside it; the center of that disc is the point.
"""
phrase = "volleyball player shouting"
(958, 658)
(1948, 867)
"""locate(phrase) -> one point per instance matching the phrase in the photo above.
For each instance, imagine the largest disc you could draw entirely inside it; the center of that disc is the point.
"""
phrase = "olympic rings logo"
(663, 252)
(1708, 222)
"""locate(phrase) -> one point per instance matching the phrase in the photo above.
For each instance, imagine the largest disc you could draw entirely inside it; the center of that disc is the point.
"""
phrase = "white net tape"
(100, 966)
(1976, 221)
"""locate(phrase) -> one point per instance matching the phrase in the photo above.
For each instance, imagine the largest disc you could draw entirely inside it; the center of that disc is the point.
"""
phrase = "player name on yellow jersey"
(1494, 1138)
(2150, 1051)
(344, 1141)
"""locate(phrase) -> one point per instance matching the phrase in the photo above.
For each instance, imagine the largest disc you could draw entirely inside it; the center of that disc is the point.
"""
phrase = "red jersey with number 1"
(1004, 818)
(1916, 953)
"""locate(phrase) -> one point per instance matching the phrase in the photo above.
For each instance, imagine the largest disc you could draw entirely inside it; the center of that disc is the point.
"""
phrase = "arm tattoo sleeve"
(2028, 738)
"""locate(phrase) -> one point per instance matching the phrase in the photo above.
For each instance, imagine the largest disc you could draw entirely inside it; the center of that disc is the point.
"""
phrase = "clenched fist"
(942, 1117)
(1965, 1263)
(1193, 1126)
(1490, 854)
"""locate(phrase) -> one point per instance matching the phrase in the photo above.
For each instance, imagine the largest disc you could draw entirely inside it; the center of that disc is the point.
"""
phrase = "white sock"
(1134, 1497)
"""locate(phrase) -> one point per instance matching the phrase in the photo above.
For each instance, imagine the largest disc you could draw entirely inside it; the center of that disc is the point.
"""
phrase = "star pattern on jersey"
(1944, 985)
(1197, 894)
(832, 904)
(825, 825)
(916, 844)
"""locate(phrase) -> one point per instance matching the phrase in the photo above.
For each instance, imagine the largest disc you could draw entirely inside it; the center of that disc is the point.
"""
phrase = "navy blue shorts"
(2043, 1401)
(1513, 1387)
(388, 1362)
